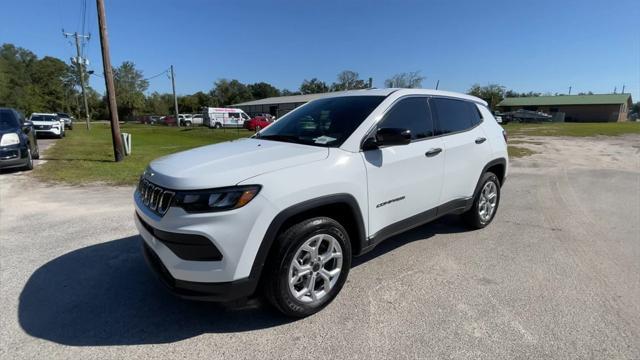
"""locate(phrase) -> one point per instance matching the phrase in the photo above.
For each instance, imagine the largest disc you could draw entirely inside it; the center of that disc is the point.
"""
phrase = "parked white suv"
(47, 124)
(288, 208)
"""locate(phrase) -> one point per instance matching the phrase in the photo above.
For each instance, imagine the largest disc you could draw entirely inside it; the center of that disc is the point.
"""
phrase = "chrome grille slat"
(154, 197)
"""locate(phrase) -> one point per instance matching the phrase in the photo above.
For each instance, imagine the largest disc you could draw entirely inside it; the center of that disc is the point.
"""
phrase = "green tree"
(193, 103)
(313, 86)
(130, 86)
(408, 80)
(262, 90)
(491, 93)
(512, 93)
(348, 80)
(158, 104)
(51, 77)
(287, 92)
(227, 92)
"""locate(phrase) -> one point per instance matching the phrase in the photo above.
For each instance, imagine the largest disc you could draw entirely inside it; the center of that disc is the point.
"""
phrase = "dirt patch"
(603, 152)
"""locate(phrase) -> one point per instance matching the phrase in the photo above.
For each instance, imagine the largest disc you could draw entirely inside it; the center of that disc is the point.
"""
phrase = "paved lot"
(557, 275)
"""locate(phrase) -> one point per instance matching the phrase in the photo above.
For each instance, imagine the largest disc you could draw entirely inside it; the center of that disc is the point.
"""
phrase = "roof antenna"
(437, 84)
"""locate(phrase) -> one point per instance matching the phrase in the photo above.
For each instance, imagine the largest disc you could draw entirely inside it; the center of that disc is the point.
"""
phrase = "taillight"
(504, 134)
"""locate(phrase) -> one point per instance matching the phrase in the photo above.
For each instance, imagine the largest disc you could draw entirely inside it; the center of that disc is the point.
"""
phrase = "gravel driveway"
(557, 275)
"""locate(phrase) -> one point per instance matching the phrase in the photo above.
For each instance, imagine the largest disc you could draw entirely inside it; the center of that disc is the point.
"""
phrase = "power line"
(159, 74)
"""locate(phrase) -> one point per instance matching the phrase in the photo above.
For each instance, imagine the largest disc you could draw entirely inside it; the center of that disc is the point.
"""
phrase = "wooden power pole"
(80, 62)
(175, 98)
(118, 150)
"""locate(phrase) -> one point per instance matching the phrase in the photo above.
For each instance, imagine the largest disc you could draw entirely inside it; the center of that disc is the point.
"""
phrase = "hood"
(228, 163)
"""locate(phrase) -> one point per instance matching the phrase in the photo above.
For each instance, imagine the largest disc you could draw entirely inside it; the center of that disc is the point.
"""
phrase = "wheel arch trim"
(279, 220)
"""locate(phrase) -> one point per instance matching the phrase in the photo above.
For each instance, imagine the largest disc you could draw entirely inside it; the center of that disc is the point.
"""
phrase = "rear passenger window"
(455, 115)
(410, 113)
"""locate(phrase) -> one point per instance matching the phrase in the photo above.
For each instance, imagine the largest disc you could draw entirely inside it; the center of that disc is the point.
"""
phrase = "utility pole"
(80, 61)
(623, 86)
(175, 98)
(118, 150)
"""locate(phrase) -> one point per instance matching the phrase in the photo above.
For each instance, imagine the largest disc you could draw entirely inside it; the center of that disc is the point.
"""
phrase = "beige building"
(576, 108)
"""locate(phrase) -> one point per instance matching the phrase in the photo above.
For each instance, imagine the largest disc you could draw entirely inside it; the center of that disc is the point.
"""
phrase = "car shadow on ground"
(104, 295)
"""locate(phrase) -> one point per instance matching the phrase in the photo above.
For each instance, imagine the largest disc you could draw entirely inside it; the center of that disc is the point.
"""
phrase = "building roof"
(598, 99)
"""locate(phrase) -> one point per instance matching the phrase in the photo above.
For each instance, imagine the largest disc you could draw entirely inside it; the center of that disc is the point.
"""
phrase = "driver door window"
(413, 114)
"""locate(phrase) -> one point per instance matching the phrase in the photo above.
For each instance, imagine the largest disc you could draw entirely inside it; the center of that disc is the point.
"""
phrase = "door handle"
(433, 152)
(480, 140)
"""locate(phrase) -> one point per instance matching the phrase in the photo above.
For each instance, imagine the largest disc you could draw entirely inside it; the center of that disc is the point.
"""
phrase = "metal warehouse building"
(277, 106)
(576, 108)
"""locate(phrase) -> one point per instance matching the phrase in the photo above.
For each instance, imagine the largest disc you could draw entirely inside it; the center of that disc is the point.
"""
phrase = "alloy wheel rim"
(488, 201)
(315, 268)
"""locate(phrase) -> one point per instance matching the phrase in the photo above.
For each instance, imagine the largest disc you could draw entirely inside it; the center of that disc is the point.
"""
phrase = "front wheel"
(485, 202)
(309, 266)
(29, 165)
(218, 126)
(258, 128)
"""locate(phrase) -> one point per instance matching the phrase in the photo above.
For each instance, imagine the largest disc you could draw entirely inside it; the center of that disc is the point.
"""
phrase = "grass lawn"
(572, 129)
(83, 157)
(517, 151)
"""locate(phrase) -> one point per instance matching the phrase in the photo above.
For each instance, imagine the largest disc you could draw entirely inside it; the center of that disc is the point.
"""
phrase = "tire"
(187, 123)
(484, 208)
(296, 244)
(217, 126)
(258, 128)
(29, 165)
(37, 154)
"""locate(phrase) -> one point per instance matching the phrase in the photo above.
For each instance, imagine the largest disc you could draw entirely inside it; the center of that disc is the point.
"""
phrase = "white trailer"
(224, 117)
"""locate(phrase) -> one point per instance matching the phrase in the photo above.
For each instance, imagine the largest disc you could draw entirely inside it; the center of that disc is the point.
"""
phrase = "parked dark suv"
(18, 144)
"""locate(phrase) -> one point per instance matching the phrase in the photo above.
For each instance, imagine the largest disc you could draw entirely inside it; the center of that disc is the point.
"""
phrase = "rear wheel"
(485, 203)
(308, 267)
(187, 123)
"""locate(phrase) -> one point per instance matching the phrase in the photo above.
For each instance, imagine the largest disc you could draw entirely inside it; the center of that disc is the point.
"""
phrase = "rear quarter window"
(455, 115)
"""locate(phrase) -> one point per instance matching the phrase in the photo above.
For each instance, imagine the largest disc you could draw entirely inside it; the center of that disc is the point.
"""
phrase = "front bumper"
(226, 291)
(236, 234)
(51, 131)
(13, 156)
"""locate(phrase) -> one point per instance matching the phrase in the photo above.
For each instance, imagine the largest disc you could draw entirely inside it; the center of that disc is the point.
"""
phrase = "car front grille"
(154, 197)
(43, 127)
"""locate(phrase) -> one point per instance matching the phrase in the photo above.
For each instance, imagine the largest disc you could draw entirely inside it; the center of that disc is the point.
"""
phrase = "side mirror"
(27, 126)
(393, 136)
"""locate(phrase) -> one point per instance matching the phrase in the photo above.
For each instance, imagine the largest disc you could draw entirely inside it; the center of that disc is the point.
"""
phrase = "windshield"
(44, 118)
(7, 120)
(324, 122)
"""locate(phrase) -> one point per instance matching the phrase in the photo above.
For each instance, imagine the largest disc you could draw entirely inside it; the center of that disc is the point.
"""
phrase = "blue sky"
(543, 46)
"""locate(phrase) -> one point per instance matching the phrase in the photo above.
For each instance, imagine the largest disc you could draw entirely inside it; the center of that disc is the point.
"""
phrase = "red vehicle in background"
(258, 123)
(169, 121)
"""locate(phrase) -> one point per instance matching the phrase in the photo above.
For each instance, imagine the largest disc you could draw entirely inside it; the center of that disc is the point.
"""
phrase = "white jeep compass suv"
(287, 209)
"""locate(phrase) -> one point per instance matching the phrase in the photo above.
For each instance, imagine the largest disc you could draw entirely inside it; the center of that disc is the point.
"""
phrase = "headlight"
(216, 199)
(9, 139)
